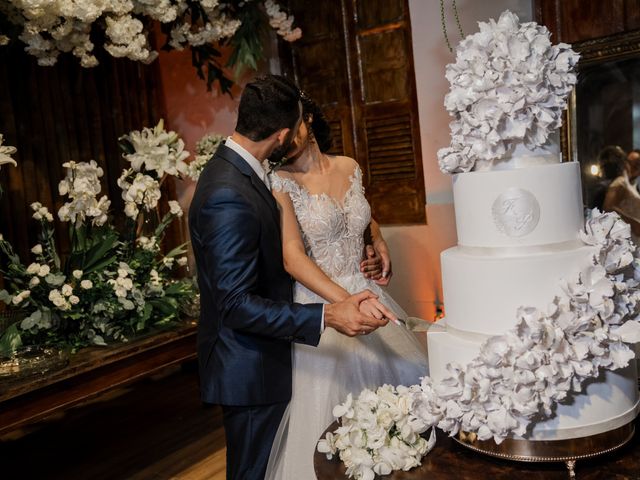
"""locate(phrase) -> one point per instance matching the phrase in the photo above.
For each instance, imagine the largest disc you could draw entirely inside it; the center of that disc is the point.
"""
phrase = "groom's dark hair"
(268, 104)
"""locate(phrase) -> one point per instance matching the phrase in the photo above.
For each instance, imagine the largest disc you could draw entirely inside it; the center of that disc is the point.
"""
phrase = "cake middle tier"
(482, 293)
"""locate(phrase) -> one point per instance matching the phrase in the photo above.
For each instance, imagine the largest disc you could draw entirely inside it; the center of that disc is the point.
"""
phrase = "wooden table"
(451, 461)
(93, 371)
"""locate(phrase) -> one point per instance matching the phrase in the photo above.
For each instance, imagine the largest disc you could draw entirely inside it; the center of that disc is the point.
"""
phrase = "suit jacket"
(247, 320)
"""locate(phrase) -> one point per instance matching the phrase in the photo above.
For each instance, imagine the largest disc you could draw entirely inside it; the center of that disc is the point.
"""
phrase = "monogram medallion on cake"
(516, 212)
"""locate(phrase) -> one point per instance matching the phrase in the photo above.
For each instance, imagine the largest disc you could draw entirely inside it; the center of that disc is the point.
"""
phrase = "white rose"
(67, 290)
(44, 270)
(33, 268)
(37, 249)
(74, 300)
(34, 281)
(86, 284)
(182, 261)
(77, 274)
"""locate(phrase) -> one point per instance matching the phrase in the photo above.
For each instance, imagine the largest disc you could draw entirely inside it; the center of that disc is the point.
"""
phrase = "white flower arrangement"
(113, 283)
(205, 148)
(509, 86)
(376, 436)
(5, 153)
(49, 28)
(588, 326)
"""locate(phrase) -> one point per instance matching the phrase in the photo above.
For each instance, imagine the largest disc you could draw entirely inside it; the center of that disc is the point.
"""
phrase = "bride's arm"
(306, 271)
(296, 261)
(381, 248)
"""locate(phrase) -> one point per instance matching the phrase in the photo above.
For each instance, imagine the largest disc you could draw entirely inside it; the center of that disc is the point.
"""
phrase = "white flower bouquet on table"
(376, 434)
(114, 283)
(509, 86)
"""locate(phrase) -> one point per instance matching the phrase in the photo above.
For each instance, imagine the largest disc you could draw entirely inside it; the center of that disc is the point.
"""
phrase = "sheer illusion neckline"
(325, 196)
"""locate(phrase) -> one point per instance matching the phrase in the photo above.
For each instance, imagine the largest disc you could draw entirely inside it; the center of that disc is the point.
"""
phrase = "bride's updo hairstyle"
(316, 122)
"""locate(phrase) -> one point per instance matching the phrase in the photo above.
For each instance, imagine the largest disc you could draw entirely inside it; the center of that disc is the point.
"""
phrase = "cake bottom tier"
(607, 403)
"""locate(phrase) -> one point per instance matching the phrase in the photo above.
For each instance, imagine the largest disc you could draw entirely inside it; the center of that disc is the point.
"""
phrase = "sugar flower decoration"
(509, 86)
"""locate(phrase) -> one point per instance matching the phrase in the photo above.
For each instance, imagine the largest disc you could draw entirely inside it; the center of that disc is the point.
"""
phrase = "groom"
(247, 320)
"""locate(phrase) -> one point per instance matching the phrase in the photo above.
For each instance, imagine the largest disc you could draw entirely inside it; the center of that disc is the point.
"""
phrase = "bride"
(324, 216)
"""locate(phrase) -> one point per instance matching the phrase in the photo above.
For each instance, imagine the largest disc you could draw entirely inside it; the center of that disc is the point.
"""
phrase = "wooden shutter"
(355, 58)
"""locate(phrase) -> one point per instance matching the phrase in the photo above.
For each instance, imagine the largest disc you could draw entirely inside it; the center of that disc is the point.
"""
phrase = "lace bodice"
(332, 232)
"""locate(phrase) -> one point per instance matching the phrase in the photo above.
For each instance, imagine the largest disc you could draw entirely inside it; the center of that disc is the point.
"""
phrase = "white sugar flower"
(509, 86)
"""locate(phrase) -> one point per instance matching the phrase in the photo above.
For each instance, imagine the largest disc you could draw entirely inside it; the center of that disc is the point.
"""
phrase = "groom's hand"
(347, 319)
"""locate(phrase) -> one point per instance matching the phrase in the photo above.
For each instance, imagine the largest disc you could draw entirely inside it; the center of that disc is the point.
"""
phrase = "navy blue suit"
(247, 320)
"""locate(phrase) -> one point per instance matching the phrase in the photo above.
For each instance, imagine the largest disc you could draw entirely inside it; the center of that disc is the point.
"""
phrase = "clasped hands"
(359, 314)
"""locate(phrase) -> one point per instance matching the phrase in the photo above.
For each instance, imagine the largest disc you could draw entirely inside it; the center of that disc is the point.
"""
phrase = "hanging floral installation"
(123, 28)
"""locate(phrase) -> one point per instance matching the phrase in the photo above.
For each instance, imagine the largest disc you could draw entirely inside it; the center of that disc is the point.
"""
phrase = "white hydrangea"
(82, 186)
(509, 86)
(141, 190)
(281, 22)
(175, 208)
(205, 148)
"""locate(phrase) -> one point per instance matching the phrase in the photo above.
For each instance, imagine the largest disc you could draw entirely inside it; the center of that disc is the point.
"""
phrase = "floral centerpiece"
(509, 86)
(114, 284)
(124, 29)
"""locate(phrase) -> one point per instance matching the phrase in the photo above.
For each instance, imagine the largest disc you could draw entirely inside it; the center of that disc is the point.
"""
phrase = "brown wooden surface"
(90, 372)
(153, 429)
(355, 59)
(451, 461)
(578, 20)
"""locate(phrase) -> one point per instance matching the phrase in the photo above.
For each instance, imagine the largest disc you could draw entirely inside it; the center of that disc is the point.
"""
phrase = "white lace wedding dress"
(339, 365)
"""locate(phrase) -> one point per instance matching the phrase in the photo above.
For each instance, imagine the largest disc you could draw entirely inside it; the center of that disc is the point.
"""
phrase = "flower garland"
(49, 28)
(509, 86)
(550, 353)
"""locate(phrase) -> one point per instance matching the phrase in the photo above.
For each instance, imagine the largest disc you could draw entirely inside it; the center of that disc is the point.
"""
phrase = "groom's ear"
(283, 135)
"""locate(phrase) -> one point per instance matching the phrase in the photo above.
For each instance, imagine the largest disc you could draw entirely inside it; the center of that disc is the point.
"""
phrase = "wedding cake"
(519, 215)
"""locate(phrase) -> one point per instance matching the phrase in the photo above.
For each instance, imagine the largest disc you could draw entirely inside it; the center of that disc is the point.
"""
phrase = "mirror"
(604, 109)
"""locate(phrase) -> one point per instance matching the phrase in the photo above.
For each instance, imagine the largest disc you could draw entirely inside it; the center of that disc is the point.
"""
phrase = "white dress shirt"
(257, 167)
(253, 162)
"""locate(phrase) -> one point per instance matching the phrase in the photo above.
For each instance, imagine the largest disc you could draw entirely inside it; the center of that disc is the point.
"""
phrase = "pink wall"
(192, 111)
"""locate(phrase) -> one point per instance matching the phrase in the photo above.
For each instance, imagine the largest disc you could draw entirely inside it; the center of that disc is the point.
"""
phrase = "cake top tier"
(509, 86)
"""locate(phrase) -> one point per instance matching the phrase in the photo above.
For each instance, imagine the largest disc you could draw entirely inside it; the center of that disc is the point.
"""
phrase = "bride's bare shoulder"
(346, 164)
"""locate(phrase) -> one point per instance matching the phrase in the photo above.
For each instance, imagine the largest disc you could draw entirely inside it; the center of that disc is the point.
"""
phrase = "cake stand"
(567, 451)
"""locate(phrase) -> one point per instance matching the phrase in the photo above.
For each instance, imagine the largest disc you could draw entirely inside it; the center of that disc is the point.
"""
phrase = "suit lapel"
(237, 161)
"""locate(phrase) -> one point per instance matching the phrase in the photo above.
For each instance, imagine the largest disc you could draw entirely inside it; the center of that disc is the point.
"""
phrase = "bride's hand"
(373, 308)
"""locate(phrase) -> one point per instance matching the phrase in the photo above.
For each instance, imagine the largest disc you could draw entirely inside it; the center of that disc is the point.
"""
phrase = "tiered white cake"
(517, 238)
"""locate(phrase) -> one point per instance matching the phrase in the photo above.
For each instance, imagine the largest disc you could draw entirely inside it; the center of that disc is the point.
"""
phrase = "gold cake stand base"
(567, 451)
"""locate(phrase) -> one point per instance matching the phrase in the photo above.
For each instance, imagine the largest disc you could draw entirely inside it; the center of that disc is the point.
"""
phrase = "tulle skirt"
(323, 376)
